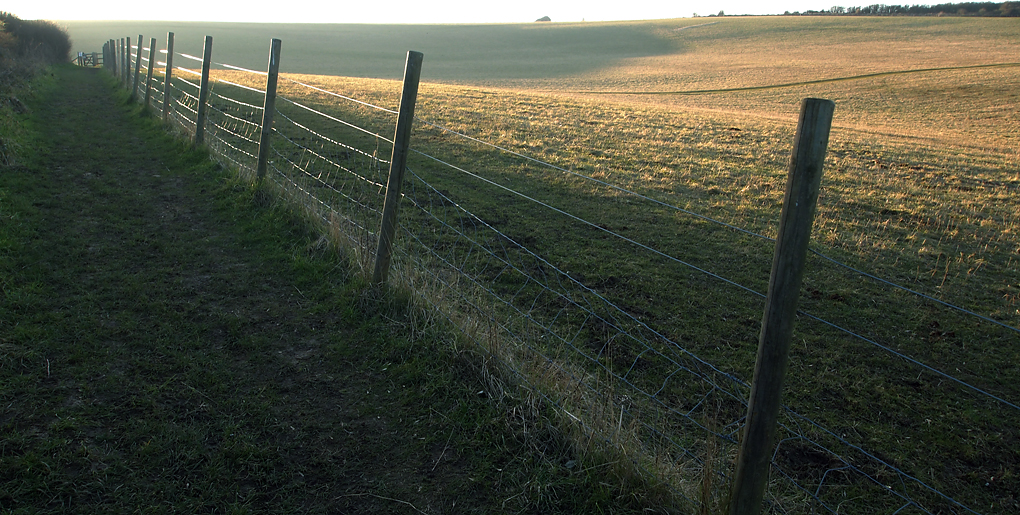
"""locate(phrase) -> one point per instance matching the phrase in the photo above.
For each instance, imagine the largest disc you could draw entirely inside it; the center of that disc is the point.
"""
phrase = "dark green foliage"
(31, 41)
(1008, 9)
(26, 48)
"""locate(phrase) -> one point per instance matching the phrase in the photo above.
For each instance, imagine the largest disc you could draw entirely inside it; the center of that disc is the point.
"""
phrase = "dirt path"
(171, 347)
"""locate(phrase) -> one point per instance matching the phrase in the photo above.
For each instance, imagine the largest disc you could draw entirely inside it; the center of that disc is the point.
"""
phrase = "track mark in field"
(695, 26)
(802, 83)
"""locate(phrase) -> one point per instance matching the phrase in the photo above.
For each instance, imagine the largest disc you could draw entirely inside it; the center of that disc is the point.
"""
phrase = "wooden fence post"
(168, 96)
(126, 64)
(398, 161)
(138, 68)
(802, 185)
(203, 94)
(148, 76)
(113, 58)
(268, 107)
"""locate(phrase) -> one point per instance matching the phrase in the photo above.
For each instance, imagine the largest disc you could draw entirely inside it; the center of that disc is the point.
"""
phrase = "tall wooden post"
(138, 67)
(203, 92)
(148, 76)
(268, 108)
(168, 96)
(398, 161)
(802, 185)
(125, 44)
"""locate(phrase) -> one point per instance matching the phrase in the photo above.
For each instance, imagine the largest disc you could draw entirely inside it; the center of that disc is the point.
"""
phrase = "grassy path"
(171, 344)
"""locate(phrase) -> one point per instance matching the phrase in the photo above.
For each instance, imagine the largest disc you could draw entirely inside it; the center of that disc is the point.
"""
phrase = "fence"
(88, 59)
(638, 336)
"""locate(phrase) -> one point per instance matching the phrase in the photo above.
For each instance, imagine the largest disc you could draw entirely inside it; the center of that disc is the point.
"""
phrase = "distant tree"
(721, 13)
(837, 9)
(544, 19)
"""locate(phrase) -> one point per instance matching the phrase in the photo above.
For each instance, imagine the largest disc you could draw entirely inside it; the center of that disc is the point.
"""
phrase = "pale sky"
(401, 11)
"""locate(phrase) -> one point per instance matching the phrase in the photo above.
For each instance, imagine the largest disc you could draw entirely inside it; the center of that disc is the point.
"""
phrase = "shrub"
(26, 48)
(37, 39)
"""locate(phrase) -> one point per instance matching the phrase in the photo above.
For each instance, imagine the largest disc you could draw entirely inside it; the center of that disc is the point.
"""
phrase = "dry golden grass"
(756, 51)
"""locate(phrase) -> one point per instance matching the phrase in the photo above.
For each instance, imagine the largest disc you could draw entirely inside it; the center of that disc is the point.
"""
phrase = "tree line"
(991, 9)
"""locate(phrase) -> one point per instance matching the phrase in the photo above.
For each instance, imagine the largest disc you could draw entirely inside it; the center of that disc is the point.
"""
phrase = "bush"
(37, 39)
(26, 48)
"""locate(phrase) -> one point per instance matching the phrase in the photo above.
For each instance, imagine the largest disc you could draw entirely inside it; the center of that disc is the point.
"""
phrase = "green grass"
(176, 341)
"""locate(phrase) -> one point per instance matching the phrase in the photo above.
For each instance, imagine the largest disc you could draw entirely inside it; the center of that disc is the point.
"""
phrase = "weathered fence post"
(138, 68)
(127, 64)
(802, 185)
(168, 96)
(113, 58)
(268, 107)
(148, 76)
(126, 61)
(398, 161)
(203, 92)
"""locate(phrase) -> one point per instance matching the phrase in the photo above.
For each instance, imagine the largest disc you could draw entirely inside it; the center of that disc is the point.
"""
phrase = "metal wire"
(356, 101)
(331, 118)
(232, 67)
(248, 88)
